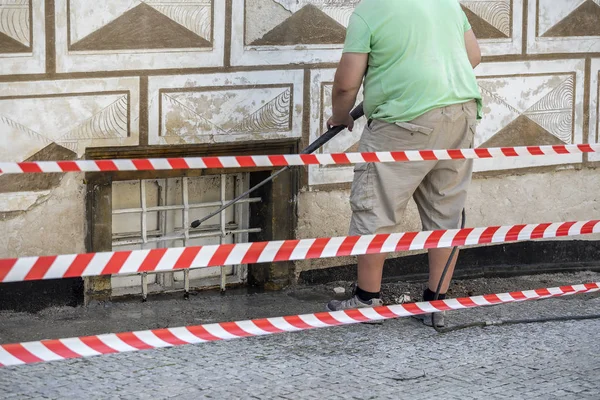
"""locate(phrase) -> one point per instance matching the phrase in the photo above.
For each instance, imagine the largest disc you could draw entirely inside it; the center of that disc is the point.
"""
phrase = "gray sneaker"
(428, 319)
(353, 303)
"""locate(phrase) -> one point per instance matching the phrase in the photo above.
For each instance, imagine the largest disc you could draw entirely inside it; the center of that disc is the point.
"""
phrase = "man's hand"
(347, 122)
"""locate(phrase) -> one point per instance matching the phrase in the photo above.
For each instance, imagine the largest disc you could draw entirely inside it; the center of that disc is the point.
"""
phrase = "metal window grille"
(157, 213)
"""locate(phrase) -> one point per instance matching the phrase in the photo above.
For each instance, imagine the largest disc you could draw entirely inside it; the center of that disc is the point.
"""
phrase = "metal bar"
(144, 224)
(186, 233)
(222, 226)
(196, 236)
(177, 208)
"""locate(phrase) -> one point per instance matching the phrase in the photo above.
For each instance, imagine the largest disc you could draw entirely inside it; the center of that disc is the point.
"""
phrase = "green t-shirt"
(417, 57)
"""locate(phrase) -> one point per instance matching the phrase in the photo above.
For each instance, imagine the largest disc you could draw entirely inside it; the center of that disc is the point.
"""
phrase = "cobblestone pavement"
(400, 359)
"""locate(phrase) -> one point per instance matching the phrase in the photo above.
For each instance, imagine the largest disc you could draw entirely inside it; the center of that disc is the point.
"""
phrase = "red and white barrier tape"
(53, 350)
(127, 262)
(289, 159)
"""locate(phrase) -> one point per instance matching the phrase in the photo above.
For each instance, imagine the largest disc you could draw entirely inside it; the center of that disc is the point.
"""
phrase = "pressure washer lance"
(356, 114)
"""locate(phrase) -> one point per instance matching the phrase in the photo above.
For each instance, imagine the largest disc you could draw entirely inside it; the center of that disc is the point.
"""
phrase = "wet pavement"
(399, 359)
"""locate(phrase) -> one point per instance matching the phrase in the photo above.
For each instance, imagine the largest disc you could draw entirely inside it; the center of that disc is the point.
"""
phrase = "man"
(417, 59)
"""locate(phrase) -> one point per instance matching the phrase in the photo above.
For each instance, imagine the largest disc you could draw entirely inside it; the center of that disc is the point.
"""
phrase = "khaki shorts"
(381, 191)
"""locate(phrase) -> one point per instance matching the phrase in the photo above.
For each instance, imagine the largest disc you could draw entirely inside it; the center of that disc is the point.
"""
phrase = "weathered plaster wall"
(80, 77)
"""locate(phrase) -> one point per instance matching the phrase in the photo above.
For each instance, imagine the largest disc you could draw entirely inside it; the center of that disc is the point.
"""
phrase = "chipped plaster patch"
(22, 201)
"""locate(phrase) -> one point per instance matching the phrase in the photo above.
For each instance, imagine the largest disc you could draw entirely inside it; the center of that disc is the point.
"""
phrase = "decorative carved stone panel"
(498, 24)
(22, 41)
(594, 136)
(289, 31)
(217, 108)
(267, 32)
(67, 116)
(563, 26)
(107, 35)
(531, 103)
(346, 142)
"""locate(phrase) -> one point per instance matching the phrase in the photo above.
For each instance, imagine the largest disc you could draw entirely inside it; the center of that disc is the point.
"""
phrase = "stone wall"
(140, 77)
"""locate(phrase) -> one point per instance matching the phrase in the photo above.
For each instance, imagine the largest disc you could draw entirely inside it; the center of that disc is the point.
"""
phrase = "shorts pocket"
(414, 128)
(362, 193)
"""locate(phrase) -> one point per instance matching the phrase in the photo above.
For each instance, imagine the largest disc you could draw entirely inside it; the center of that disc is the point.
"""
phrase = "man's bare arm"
(473, 49)
(348, 79)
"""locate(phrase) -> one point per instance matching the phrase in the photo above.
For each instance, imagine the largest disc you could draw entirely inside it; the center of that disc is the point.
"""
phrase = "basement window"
(157, 213)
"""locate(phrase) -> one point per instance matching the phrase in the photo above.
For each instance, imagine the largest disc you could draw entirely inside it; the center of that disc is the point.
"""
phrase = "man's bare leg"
(370, 272)
(437, 262)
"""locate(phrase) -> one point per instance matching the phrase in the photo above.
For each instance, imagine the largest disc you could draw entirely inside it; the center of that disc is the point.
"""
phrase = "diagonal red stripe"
(399, 156)
(456, 154)
(212, 162)
(586, 148)
(568, 289)
(488, 234)
(513, 233)
(220, 256)
(518, 296)
(509, 152)
(385, 312)
(428, 155)
(412, 308)
(5, 266)
(433, 240)
(187, 257)
(143, 165)
(492, 298)
(309, 159)
(68, 166)
(178, 163)
(296, 322)
(114, 265)
(543, 292)
(98, 345)
(467, 302)
(131, 339)
(535, 150)
(166, 336)
(234, 329)
(588, 228)
(461, 237)
(266, 325)
(152, 259)
(563, 230)
(17, 350)
(406, 241)
(560, 149)
(370, 157)
(483, 153)
(254, 253)
(57, 347)
(106, 165)
(340, 159)
(278, 161)
(316, 249)
(377, 243)
(245, 161)
(285, 251)
(30, 167)
(326, 318)
(39, 269)
(78, 265)
(356, 315)
(201, 332)
(538, 232)
(347, 246)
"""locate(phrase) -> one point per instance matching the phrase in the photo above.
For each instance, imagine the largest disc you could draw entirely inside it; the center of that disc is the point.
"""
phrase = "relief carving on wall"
(221, 108)
(564, 26)
(139, 34)
(22, 42)
(73, 115)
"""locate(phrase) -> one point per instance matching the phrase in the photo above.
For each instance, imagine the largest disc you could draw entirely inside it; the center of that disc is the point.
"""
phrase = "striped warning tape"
(127, 262)
(289, 159)
(53, 350)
